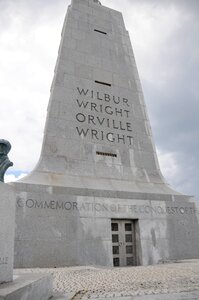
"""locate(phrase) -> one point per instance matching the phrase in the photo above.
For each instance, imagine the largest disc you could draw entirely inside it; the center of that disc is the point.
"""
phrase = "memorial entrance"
(123, 243)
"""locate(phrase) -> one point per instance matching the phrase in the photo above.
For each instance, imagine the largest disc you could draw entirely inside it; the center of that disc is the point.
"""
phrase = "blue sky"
(165, 40)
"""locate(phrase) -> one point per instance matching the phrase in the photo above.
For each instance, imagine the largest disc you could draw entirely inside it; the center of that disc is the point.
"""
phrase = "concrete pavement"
(173, 281)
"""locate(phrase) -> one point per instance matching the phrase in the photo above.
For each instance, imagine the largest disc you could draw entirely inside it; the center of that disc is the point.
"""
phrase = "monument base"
(7, 228)
(27, 287)
(64, 226)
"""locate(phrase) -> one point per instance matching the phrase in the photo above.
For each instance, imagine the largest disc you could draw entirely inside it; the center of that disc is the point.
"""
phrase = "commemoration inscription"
(135, 209)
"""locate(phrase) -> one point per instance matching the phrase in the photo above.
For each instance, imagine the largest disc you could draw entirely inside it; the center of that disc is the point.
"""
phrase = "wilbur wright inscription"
(107, 116)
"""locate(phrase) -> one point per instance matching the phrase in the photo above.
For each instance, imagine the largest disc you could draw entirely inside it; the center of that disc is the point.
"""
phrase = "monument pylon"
(97, 195)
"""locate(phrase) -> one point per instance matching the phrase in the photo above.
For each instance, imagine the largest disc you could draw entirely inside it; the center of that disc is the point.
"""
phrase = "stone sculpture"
(5, 163)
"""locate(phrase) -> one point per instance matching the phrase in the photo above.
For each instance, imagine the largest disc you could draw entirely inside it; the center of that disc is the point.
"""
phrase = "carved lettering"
(115, 124)
(82, 91)
(107, 97)
(101, 108)
(3, 260)
(82, 132)
(110, 137)
(93, 106)
(116, 100)
(82, 103)
(117, 107)
(101, 121)
(128, 126)
(127, 112)
(118, 112)
(130, 139)
(98, 97)
(121, 138)
(100, 207)
(94, 134)
(101, 135)
(103, 96)
(108, 110)
(91, 119)
(80, 117)
(126, 101)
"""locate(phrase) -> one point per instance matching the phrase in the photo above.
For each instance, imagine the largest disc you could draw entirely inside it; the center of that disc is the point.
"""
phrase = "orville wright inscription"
(103, 117)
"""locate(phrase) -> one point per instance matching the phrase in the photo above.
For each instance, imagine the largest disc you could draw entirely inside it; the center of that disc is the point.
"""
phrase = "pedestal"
(7, 228)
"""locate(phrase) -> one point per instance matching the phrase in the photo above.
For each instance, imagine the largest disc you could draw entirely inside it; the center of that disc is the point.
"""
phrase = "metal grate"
(106, 154)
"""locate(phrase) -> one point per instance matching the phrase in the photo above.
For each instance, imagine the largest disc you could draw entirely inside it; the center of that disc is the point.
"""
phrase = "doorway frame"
(138, 252)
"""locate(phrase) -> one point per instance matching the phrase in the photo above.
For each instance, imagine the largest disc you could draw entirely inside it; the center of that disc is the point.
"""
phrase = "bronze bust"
(5, 163)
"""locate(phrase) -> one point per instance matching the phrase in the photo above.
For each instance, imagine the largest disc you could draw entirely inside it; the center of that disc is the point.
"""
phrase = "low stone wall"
(7, 228)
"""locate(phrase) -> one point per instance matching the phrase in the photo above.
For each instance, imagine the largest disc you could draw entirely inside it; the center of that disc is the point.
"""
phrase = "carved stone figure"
(5, 163)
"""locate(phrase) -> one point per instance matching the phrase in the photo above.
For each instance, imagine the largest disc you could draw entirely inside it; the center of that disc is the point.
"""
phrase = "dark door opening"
(124, 242)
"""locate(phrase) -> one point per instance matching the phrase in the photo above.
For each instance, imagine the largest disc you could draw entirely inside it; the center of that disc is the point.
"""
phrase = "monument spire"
(97, 121)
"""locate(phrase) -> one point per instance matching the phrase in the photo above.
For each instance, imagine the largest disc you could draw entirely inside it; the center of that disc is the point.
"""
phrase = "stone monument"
(7, 228)
(7, 217)
(97, 195)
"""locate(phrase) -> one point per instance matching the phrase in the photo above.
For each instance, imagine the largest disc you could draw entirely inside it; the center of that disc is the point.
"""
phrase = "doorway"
(123, 242)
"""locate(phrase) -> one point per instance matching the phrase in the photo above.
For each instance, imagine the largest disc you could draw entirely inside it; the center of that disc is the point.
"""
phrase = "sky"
(165, 39)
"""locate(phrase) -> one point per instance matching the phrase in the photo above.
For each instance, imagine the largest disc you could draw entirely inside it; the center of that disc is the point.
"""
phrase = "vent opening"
(99, 31)
(106, 154)
(104, 83)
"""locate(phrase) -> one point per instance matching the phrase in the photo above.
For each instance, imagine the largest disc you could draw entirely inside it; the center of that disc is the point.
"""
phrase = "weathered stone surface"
(7, 228)
(97, 131)
(98, 160)
(57, 227)
(27, 287)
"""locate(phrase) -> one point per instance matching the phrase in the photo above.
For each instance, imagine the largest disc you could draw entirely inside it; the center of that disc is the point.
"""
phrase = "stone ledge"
(176, 296)
(101, 192)
(28, 287)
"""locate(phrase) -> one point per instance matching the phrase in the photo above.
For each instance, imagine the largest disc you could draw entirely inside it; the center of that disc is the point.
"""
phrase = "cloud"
(164, 35)
(13, 177)
(29, 41)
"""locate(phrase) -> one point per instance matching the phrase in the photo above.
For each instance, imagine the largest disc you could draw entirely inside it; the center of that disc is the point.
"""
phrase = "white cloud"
(168, 165)
(28, 53)
(12, 177)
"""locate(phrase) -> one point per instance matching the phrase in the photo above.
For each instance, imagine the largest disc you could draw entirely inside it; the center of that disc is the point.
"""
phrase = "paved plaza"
(171, 281)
